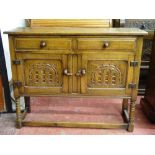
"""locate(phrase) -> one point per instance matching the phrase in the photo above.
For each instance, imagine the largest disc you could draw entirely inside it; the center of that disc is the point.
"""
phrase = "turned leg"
(131, 116)
(18, 114)
(27, 103)
(124, 105)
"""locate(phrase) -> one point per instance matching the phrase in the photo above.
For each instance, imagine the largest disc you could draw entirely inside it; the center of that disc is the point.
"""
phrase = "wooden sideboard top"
(75, 31)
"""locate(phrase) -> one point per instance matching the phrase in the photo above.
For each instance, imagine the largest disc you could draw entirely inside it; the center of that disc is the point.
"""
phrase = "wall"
(7, 24)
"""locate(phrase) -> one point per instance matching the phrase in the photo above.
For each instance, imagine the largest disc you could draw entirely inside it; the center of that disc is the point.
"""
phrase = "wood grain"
(65, 31)
(76, 62)
(75, 125)
(69, 22)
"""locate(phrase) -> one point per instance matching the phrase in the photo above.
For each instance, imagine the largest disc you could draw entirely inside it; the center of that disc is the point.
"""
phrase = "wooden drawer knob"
(42, 44)
(106, 44)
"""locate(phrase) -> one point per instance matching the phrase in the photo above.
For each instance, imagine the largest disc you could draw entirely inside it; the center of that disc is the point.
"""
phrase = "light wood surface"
(69, 22)
(76, 31)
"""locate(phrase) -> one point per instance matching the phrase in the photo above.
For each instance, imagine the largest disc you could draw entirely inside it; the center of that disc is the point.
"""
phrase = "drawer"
(107, 43)
(43, 43)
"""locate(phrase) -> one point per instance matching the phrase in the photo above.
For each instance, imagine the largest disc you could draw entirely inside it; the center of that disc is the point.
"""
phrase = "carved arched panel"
(108, 74)
(43, 73)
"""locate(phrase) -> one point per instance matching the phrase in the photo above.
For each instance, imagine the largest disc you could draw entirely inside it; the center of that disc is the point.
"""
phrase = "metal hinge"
(17, 84)
(16, 62)
(132, 85)
(134, 63)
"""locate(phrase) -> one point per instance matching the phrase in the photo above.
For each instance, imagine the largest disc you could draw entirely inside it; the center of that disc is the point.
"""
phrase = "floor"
(75, 109)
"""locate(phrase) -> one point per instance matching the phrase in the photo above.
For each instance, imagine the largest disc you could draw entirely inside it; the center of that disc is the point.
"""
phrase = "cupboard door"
(42, 74)
(107, 74)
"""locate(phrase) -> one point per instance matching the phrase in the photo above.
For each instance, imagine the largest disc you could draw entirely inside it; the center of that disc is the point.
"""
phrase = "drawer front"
(43, 43)
(107, 43)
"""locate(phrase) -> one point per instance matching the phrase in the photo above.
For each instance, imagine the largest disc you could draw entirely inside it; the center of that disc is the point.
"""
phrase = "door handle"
(81, 72)
(67, 73)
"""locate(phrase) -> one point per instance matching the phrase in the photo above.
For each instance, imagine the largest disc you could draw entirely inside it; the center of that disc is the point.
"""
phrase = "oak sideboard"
(65, 61)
